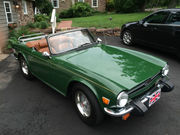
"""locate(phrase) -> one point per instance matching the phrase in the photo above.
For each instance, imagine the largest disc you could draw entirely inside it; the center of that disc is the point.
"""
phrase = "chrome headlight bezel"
(165, 70)
(122, 99)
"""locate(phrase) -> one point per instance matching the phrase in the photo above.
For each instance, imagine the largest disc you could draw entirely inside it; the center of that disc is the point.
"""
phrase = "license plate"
(155, 96)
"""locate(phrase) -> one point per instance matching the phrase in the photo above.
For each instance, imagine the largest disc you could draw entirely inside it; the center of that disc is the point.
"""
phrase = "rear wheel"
(24, 68)
(86, 105)
(127, 37)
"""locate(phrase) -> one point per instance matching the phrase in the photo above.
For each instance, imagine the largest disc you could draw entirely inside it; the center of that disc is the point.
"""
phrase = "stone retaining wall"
(107, 32)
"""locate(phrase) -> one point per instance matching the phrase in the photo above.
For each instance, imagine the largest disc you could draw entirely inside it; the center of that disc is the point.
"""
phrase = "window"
(24, 5)
(159, 17)
(94, 3)
(8, 12)
(80, 0)
(55, 3)
(36, 11)
(174, 19)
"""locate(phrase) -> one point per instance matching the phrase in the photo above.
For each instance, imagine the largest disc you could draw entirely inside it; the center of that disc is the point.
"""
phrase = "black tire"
(127, 38)
(27, 74)
(96, 114)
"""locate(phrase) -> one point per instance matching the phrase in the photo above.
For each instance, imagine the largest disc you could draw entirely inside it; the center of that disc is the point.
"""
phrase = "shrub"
(15, 34)
(45, 6)
(66, 13)
(41, 17)
(31, 25)
(127, 6)
(109, 5)
(43, 25)
(79, 9)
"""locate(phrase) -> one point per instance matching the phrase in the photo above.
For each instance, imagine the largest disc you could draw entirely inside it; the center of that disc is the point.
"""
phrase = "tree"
(172, 3)
(45, 6)
(130, 5)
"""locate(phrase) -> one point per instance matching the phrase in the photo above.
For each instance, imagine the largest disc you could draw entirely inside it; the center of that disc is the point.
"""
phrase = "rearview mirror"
(46, 54)
(99, 40)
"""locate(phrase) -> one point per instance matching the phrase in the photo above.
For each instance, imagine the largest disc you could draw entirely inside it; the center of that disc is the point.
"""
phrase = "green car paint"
(105, 69)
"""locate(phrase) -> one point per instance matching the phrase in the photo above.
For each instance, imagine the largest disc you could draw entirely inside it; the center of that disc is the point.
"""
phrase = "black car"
(160, 30)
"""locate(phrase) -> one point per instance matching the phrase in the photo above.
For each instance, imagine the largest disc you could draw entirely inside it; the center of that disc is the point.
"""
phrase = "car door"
(40, 65)
(174, 24)
(154, 28)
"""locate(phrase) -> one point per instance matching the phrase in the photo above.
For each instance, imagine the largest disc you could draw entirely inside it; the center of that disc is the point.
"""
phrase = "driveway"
(32, 108)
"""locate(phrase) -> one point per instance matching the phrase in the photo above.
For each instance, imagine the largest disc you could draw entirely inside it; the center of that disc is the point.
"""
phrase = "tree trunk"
(172, 4)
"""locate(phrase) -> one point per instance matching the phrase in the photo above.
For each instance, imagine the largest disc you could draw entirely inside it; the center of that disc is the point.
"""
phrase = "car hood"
(115, 67)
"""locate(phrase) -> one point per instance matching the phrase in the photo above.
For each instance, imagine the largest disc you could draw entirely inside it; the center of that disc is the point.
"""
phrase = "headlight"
(165, 70)
(122, 99)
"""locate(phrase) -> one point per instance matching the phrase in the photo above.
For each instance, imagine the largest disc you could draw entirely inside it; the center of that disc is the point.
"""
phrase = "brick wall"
(101, 5)
(63, 5)
(66, 4)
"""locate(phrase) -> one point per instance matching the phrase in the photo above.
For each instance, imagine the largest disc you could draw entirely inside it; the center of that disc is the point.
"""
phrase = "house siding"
(3, 21)
(18, 17)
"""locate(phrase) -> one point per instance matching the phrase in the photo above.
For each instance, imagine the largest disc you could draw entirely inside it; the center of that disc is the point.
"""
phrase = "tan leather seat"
(46, 49)
(40, 45)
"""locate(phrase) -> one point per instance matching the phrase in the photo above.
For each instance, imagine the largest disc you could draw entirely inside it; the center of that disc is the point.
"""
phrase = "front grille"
(144, 84)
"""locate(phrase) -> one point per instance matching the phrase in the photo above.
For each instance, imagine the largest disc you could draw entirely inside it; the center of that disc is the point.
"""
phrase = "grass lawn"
(102, 20)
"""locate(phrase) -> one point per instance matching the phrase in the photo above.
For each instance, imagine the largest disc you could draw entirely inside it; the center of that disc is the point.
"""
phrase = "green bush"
(45, 6)
(109, 5)
(43, 25)
(41, 17)
(15, 34)
(66, 13)
(31, 25)
(128, 6)
(80, 9)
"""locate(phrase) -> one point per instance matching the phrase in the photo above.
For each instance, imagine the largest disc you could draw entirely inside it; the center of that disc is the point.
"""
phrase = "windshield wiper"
(85, 44)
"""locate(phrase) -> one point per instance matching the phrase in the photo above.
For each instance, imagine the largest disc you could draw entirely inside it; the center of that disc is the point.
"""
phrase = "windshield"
(69, 41)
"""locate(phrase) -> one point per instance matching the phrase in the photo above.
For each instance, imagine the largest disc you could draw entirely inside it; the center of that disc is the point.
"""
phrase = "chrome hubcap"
(127, 38)
(83, 104)
(24, 67)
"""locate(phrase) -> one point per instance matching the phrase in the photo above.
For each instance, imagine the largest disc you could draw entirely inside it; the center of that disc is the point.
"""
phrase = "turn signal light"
(105, 100)
(126, 116)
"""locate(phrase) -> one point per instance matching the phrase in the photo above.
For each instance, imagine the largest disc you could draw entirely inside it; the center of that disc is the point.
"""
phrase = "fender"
(89, 85)
(21, 53)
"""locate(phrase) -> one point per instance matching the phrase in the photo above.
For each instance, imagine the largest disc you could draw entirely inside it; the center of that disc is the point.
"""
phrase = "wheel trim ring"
(24, 67)
(127, 38)
(83, 104)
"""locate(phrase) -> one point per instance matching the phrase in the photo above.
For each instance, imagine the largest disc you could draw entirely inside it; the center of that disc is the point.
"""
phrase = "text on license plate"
(155, 96)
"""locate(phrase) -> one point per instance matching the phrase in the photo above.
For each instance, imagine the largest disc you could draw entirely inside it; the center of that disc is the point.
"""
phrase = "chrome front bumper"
(141, 104)
(124, 110)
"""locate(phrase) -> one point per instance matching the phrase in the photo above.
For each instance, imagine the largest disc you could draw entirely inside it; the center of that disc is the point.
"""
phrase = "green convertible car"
(100, 79)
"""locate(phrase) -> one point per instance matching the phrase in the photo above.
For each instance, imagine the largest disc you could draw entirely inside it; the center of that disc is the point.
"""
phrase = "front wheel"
(127, 37)
(24, 68)
(87, 105)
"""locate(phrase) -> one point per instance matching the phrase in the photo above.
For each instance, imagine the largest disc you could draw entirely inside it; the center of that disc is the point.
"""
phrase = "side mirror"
(46, 54)
(141, 22)
(99, 40)
(145, 24)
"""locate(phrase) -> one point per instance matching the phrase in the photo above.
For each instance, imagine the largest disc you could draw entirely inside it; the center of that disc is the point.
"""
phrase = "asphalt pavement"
(33, 108)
